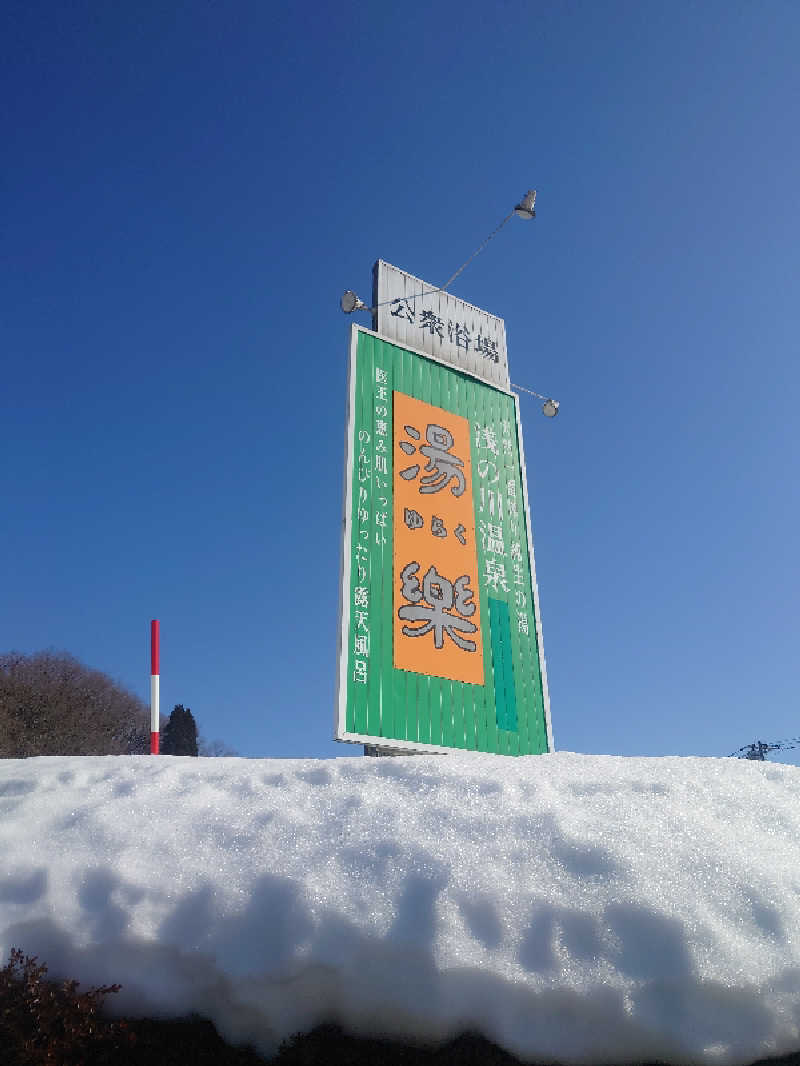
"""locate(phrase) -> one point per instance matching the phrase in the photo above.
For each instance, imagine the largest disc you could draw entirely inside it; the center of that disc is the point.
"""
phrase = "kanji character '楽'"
(433, 606)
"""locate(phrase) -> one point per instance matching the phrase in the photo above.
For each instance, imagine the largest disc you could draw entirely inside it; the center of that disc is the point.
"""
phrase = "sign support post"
(154, 686)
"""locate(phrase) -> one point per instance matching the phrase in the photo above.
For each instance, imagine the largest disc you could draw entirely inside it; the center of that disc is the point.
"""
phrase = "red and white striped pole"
(154, 678)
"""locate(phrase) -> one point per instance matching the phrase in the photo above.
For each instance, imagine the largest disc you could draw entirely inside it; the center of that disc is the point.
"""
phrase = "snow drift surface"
(578, 908)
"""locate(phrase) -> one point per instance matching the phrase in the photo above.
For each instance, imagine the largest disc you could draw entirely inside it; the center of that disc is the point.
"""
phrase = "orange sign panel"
(437, 618)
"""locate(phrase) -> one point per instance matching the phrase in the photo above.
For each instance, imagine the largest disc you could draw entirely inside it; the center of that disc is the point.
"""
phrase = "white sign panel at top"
(418, 315)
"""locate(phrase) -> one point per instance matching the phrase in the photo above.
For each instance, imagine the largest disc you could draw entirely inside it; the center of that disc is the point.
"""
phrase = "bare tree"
(52, 704)
(213, 749)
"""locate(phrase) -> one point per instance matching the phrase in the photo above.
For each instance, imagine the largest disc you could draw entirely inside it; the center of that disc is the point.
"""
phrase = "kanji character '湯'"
(442, 466)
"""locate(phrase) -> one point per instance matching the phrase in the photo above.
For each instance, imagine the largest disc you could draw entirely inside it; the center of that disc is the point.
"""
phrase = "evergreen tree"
(179, 735)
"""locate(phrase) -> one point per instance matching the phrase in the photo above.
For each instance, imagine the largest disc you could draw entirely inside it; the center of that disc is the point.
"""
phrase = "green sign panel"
(440, 645)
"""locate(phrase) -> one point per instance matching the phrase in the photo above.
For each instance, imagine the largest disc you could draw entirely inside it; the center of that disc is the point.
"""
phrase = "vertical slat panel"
(419, 687)
(385, 359)
(440, 710)
(523, 644)
(351, 710)
(511, 733)
(377, 633)
(434, 715)
(372, 355)
(492, 420)
(443, 392)
(482, 704)
(359, 693)
(512, 678)
(525, 678)
(457, 690)
(488, 710)
(509, 679)
(537, 731)
(537, 735)
(406, 684)
(399, 681)
(419, 383)
(505, 691)
(498, 680)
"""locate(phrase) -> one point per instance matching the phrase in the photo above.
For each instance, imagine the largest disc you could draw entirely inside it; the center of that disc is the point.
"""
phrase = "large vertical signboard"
(440, 645)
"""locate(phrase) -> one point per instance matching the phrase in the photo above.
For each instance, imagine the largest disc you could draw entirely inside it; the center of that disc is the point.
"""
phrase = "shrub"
(44, 1023)
(47, 1023)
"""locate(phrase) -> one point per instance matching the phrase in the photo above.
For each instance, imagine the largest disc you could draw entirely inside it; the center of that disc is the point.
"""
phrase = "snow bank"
(579, 908)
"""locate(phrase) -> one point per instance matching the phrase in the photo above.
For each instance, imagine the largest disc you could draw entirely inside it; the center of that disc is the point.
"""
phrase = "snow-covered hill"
(579, 908)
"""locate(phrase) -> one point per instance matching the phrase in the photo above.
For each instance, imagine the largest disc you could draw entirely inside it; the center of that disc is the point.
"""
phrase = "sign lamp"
(350, 302)
(525, 208)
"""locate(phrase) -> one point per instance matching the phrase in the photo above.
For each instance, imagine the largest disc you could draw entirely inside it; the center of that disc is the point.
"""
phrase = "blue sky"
(188, 190)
